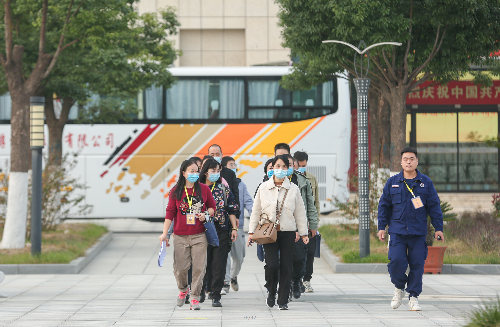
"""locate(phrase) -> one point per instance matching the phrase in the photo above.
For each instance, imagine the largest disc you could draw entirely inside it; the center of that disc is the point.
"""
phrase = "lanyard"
(190, 201)
(410, 189)
(213, 186)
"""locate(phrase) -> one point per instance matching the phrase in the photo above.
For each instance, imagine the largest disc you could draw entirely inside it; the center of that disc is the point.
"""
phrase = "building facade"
(225, 32)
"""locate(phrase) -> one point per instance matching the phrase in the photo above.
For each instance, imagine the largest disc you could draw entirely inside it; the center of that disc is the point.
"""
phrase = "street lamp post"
(37, 106)
(362, 84)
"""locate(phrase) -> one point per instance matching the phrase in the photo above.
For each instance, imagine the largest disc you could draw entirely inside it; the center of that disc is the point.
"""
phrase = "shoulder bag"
(268, 232)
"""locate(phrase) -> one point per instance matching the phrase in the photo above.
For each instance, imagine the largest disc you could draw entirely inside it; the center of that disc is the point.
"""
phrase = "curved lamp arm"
(366, 49)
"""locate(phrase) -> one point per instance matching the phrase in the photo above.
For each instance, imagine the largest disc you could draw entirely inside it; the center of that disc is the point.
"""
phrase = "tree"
(35, 37)
(118, 65)
(441, 40)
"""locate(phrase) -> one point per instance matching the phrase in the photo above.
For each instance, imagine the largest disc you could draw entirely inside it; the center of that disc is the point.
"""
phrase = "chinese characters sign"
(455, 92)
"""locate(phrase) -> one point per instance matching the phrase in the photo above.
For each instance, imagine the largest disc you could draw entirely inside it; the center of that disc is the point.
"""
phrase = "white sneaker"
(308, 287)
(223, 292)
(413, 304)
(396, 299)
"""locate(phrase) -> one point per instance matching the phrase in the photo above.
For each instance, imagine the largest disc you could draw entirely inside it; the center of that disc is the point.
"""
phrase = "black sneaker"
(216, 303)
(296, 290)
(283, 307)
(209, 296)
(234, 284)
(302, 287)
(202, 296)
(270, 301)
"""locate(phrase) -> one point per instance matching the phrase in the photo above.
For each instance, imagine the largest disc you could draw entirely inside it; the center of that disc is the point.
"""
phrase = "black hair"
(207, 157)
(409, 149)
(282, 146)
(195, 159)
(210, 163)
(295, 161)
(283, 157)
(216, 146)
(267, 164)
(301, 156)
(225, 160)
(181, 182)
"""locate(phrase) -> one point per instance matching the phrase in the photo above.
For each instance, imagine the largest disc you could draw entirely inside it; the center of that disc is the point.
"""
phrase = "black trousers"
(311, 250)
(279, 263)
(216, 265)
(299, 260)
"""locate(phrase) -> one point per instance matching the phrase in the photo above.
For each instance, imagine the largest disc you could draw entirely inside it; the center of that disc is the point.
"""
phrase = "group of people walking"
(288, 197)
(208, 188)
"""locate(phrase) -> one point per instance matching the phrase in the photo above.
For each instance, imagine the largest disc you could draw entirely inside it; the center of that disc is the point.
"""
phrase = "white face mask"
(218, 159)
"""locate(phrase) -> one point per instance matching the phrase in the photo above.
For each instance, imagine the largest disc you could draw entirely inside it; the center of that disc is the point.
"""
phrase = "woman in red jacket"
(189, 202)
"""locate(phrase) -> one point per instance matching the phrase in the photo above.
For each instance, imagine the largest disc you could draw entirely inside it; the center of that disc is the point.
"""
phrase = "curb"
(381, 268)
(74, 267)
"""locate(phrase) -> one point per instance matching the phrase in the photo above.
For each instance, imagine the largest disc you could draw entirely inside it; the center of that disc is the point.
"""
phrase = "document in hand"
(163, 251)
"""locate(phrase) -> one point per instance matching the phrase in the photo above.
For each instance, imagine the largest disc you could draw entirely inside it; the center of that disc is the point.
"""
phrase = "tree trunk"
(385, 132)
(14, 234)
(397, 101)
(55, 132)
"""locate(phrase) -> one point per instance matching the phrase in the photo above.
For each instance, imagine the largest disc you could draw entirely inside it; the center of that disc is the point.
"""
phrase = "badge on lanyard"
(416, 200)
(190, 217)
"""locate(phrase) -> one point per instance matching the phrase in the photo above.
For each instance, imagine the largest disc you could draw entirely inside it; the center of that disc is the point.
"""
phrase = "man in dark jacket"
(216, 151)
(407, 199)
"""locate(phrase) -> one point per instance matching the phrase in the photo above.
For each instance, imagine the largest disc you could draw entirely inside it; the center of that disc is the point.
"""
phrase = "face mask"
(192, 178)
(213, 177)
(234, 169)
(270, 173)
(280, 173)
(218, 159)
(289, 171)
(302, 170)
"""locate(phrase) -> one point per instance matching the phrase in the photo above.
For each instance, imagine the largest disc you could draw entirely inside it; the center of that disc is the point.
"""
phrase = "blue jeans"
(404, 251)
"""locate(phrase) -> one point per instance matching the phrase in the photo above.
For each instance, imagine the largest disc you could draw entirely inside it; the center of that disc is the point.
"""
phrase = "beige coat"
(293, 215)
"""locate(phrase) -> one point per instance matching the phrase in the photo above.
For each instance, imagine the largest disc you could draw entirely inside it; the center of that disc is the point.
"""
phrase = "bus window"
(318, 96)
(206, 99)
(153, 102)
(267, 93)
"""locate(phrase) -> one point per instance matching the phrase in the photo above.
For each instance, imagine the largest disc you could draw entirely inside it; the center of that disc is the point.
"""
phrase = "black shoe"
(302, 287)
(283, 307)
(209, 296)
(216, 303)
(270, 301)
(202, 296)
(296, 290)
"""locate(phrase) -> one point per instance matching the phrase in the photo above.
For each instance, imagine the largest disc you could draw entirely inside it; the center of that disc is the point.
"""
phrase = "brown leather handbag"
(268, 232)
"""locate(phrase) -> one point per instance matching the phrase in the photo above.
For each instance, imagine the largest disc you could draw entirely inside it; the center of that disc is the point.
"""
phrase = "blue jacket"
(396, 209)
(246, 202)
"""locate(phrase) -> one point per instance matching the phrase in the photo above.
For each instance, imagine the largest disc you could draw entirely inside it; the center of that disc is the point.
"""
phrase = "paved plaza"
(124, 286)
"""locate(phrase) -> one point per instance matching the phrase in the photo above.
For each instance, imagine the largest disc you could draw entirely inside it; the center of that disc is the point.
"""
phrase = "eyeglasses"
(412, 159)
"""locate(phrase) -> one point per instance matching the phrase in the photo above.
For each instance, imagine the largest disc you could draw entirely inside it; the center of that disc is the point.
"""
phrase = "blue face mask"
(270, 173)
(280, 173)
(218, 159)
(289, 171)
(213, 177)
(234, 169)
(302, 170)
(192, 178)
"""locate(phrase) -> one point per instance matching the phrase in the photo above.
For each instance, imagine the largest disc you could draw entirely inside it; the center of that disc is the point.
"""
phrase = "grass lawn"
(343, 240)
(66, 243)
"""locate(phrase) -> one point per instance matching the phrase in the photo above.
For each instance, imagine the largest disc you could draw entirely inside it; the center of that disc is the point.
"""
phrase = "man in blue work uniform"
(407, 199)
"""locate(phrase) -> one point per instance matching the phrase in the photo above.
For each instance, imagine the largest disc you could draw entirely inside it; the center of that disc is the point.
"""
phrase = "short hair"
(409, 149)
(267, 164)
(288, 156)
(282, 146)
(207, 157)
(282, 157)
(216, 146)
(301, 156)
(295, 161)
(225, 160)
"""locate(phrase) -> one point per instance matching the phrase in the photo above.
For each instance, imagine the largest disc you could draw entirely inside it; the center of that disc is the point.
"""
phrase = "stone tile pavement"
(124, 286)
